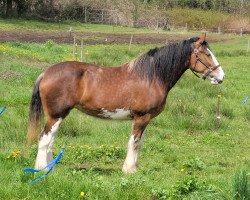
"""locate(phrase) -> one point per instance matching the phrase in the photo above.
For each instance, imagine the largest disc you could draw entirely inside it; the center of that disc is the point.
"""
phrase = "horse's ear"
(202, 38)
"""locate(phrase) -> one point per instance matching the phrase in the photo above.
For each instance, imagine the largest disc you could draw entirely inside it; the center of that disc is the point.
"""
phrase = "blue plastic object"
(50, 167)
(245, 100)
(3, 109)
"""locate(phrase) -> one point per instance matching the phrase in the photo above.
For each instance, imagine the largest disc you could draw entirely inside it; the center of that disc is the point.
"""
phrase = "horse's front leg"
(46, 140)
(134, 143)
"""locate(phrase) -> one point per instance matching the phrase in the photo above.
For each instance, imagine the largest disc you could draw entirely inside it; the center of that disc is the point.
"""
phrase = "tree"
(9, 5)
(22, 6)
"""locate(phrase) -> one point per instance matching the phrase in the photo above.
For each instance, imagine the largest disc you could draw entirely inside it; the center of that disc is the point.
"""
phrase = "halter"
(210, 69)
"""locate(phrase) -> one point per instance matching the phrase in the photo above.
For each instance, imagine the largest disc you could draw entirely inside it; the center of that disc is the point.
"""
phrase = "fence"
(100, 16)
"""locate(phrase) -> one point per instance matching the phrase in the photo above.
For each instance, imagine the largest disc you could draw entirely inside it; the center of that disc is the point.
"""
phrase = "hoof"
(39, 166)
(40, 163)
(129, 169)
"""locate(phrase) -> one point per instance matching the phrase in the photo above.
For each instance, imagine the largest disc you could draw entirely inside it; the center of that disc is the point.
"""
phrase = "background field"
(185, 153)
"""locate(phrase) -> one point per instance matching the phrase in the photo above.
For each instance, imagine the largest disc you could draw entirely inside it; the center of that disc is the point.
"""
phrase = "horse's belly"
(119, 113)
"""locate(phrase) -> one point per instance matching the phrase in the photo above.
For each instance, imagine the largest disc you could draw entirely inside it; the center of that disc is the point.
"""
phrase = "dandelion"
(14, 154)
(182, 170)
(82, 194)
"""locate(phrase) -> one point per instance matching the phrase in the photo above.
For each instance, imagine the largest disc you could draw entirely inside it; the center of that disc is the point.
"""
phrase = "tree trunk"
(8, 12)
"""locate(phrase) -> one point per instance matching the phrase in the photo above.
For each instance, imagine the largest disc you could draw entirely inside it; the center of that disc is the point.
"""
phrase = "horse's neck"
(175, 76)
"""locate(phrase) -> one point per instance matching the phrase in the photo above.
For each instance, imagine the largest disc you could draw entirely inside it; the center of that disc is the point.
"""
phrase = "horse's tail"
(35, 114)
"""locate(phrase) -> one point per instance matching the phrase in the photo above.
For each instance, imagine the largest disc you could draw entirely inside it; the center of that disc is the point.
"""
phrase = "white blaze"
(219, 73)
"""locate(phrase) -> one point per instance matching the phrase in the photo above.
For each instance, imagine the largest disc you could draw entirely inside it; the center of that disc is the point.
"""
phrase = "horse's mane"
(164, 62)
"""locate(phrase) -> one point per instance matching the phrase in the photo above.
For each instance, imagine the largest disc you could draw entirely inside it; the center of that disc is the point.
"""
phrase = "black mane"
(166, 63)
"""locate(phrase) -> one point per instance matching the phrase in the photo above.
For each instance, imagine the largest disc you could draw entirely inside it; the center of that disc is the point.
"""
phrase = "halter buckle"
(196, 51)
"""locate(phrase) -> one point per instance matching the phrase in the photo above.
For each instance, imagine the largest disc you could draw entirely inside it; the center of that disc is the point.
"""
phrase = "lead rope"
(50, 167)
(245, 100)
(3, 109)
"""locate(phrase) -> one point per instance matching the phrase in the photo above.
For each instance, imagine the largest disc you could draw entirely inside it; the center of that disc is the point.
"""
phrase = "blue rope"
(3, 109)
(50, 166)
(245, 100)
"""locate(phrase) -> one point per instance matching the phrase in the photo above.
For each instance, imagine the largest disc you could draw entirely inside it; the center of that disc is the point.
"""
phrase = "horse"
(134, 91)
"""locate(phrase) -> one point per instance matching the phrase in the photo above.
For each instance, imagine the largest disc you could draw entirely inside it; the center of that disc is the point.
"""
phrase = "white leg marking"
(44, 155)
(130, 163)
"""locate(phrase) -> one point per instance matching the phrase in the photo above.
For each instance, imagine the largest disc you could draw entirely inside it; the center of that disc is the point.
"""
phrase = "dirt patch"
(9, 74)
(97, 38)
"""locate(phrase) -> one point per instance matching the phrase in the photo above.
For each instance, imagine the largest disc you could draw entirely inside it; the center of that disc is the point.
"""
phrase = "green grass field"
(35, 25)
(185, 154)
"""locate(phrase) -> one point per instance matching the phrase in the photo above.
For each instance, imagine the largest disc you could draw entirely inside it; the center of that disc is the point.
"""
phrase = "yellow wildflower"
(182, 170)
(82, 194)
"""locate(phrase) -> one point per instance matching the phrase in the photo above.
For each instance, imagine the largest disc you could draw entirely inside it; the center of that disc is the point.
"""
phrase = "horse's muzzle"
(220, 81)
(216, 81)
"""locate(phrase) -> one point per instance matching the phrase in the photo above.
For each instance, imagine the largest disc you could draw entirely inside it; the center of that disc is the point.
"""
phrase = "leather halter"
(210, 69)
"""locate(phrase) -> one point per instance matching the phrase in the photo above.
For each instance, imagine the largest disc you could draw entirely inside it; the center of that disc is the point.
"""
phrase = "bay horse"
(135, 91)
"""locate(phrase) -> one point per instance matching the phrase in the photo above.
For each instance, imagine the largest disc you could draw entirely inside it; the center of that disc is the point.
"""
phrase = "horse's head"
(204, 62)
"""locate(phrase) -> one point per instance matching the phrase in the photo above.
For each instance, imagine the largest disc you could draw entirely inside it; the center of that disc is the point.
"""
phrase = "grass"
(184, 154)
(64, 26)
(241, 185)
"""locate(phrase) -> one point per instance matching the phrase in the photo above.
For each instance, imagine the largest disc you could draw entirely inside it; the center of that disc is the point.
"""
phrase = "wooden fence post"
(76, 51)
(241, 31)
(219, 30)
(131, 38)
(85, 15)
(218, 111)
(74, 46)
(157, 24)
(102, 16)
(81, 58)
(248, 46)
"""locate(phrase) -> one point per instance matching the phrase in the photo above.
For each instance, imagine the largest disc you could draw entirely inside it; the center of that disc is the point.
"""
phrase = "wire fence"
(101, 16)
(111, 17)
(80, 51)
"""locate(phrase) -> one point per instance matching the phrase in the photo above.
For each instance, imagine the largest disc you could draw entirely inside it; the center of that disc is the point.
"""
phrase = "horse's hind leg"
(46, 139)
(131, 161)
